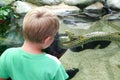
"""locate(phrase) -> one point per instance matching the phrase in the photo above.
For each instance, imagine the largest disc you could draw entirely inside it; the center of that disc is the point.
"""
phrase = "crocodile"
(71, 41)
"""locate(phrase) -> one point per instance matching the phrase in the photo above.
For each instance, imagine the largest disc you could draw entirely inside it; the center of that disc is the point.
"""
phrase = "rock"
(94, 10)
(115, 4)
(95, 6)
(13, 38)
(115, 16)
(80, 3)
(5, 2)
(21, 7)
(60, 10)
(44, 2)
(97, 64)
(63, 10)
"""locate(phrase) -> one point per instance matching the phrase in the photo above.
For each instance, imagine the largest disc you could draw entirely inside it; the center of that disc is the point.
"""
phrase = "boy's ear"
(47, 40)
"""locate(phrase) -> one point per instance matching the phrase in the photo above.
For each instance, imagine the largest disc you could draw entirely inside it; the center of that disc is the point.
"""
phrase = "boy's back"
(27, 66)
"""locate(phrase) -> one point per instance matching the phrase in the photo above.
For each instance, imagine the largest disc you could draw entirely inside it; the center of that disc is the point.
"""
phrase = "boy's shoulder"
(10, 50)
(52, 58)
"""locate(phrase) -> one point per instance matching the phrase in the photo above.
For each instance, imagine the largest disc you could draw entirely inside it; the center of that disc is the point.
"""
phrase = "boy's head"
(38, 24)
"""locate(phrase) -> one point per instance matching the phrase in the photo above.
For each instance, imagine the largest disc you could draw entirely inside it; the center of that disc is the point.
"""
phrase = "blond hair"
(39, 24)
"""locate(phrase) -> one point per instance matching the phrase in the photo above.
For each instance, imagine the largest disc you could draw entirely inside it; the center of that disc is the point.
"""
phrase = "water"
(93, 64)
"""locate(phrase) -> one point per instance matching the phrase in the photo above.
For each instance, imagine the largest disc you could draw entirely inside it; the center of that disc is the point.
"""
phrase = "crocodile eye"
(118, 33)
(81, 37)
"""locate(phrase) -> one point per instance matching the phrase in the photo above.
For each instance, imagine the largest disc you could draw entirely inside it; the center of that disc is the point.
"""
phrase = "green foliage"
(7, 18)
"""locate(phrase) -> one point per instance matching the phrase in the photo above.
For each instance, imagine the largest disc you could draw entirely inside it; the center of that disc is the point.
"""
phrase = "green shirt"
(20, 65)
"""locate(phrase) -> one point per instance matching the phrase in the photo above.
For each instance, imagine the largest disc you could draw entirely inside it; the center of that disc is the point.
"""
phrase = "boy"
(55, 50)
(29, 62)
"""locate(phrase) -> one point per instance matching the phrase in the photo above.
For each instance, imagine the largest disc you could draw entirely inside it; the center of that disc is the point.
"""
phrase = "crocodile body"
(72, 41)
(83, 39)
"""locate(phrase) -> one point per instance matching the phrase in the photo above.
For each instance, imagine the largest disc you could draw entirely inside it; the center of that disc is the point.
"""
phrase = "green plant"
(7, 17)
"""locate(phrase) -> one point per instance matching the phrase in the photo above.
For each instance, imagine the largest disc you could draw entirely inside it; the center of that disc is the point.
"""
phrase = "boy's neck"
(33, 48)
